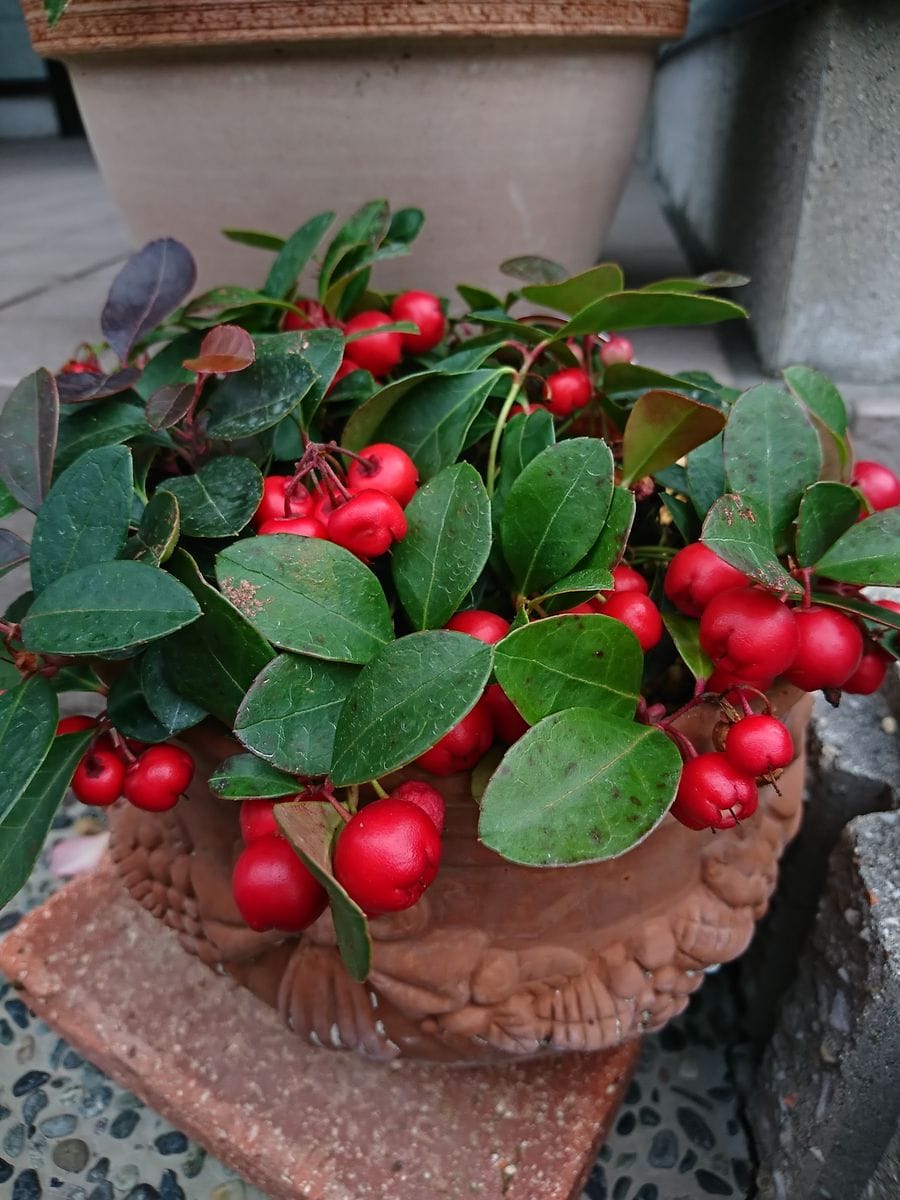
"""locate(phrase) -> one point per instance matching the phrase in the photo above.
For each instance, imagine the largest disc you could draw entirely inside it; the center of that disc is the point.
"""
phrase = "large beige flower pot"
(511, 124)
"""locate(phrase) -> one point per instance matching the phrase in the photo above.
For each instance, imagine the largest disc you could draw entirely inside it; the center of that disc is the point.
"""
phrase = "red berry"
(76, 724)
(258, 820)
(639, 613)
(324, 504)
(424, 310)
(586, 608)
(869, 675)
(387, 855)
(272, 505)
(99, 777)
(713, 793)
(627, 579)
(384, 468)
(311, 316)
(463, 746)
(158, 778)
(273, 889)
(509, 724)
(878, 483)
(829, 649)
(567, 390)
(616, 349)
(424, 796)
(695, 575)
(347, 367)
(729, 684)
(75, 367)
(368, 524)
(749, 634)
(310, 527)
(376, 352)
(758, 745)
(481, 624)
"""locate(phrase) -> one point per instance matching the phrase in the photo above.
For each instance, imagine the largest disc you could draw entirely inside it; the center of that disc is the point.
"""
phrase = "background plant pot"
(512, 125)
(496, 961)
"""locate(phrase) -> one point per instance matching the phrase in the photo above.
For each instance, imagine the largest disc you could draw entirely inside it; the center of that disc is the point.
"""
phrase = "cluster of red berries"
(153, 778)
(364, 514)
(628, 601)
(385, 857)
(569, 390)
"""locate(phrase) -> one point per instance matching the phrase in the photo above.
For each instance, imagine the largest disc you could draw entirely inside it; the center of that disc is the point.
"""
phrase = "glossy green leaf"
(219, 500)
(739, 532)
(290, 713)
(25, 825)
(621, 378)
(245, 775)
(84, 518)
(430, 422)
(215, 661)
(706, 475)
(683, 517)
(256, 399)
(685, 633)
(255, 238)
(537, 329)
(310, 830)
(572, 295)
(446, 546)
(874, 614)
(594, 572)
(172, 710)
(128, 709)
(643, 310)
(582, 786)
(570, 661)
(524, 437)
(13, 551)
(53, 10)
(364, 230)
(868, 553)
(8, 502)
(167, 366)
(555, 510)
(157, 533)
(772, 454)
(307, 595)
(363, 423)
(28, 716)
(324, 353)
(28, 437)
(477, 297)
(819, 395)
(662, 427)
(98, 425)
(827, 511)
(294, 255)
(532, 268)
(105, 607)
(402, 702)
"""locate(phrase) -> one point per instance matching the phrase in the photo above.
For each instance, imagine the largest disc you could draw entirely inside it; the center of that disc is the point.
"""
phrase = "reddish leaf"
(82, 389)
(662, 427)
(151, 284)
(224, 350)
(169, 404)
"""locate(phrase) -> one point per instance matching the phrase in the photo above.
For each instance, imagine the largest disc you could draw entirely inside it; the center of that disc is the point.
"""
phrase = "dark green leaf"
(361, 428)
(220, 499)
(594, 572)
(406, 225)
(167, 367)
(259, 397)
(662, 427)
(8, 503)
(572, 295)
(28, 716)
(685, 633)
(310, 828)
(470, 356)
(214, 662)
(476, 297)
(88, 387)
(739, 532)
(872, 613)
(683, 517)
(28, 433)
(524, 437)
(53, 10)
(827, 510)
(819, 395)
(128, 709)
(772, 454)
(324, 353)
(245, 776)
(307, 595)
(539, 329)
(622, 378)
(868, 553)
(643, 310)
(706, 475)
(255, 238)
(13, 551)
(582, 786)
(291, 711)
(25, 826)
(364, 230)
(152, 283)
(235, 304)
(169, 404)
(532, 268)
(295, 254)
(98, 425)
(570, 662)
(105, 607)
(172, 710)
(446, 546)
(431, 421)
(84, 518)
(157, 533)
(402, 702)
(555, 510)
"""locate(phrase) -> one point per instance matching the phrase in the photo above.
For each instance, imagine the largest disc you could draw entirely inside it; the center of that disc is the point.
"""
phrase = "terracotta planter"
(497, 962)
(511, 124)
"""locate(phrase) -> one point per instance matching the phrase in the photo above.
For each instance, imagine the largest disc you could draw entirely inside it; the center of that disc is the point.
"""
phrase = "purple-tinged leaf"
(224, 350)
(150, 285)
(167, 406)
(13, 551)
(29, 423)
(90, 386)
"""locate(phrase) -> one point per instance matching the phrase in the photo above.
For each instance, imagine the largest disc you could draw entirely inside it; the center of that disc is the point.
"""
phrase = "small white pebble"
(889, 724)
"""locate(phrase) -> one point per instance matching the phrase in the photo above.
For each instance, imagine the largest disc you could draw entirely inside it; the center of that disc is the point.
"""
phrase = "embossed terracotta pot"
(511, 124)
(497, 961)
